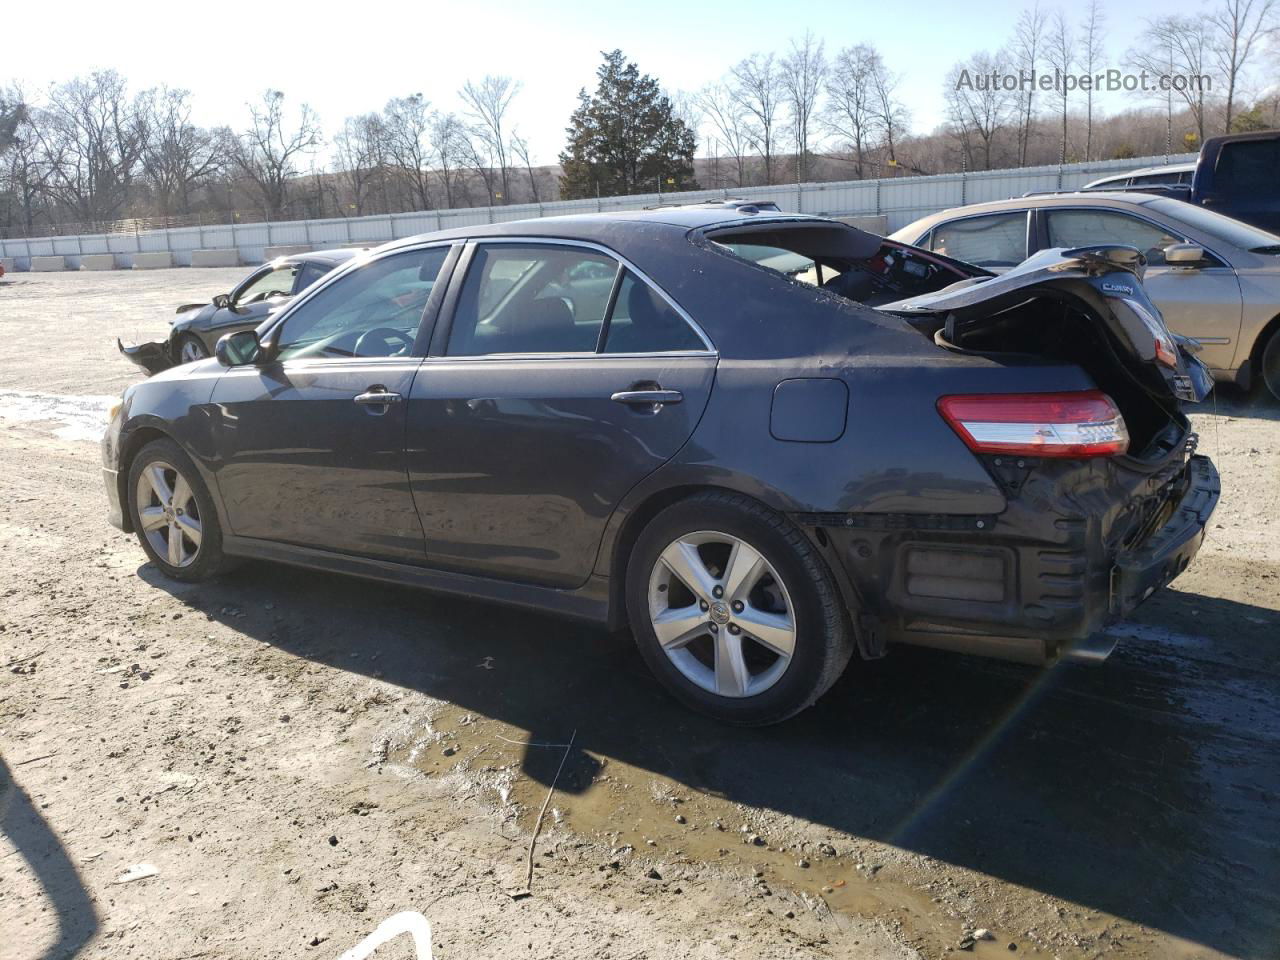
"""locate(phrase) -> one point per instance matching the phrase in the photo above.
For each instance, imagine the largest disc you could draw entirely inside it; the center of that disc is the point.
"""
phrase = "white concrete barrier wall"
(215, 258)
(899, 200)
(152, 261)
(285, 250)
(48, 264)
(8, 264)
(98, 261)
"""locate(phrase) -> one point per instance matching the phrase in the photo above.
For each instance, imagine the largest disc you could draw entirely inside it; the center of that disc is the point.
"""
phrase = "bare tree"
(890, 113)
(850, 112)
(268, 152)
(447, 137)
(23, 178)
(1176, 45)
(758, 87)
(729, 121)
(1237, 26)
(1091, 56)
(487, 103)
(804, 70)
(977, 107)
(520, 147)
(1061, 54)
(177, 156)
(91, 138)
(407, 126)
(1028, 48)
(360, 157)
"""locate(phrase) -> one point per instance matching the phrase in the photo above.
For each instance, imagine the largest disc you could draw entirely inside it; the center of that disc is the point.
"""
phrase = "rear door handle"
(377, 396)
(647, 398)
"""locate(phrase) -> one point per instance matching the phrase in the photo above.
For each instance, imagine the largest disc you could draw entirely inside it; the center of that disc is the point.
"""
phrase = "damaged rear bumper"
(1078, 546)
(152, 356)
(1142, 571)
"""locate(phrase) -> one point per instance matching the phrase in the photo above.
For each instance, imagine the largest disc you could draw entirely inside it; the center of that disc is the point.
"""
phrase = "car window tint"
(1250, 170)
(998, 240)
(1080, 228)
(311, 272)
(643, 322)
(273, 283)
(521, 298)
(371, 312)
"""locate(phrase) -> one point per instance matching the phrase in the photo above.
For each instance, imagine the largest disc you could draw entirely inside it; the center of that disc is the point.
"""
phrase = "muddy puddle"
(638, 819)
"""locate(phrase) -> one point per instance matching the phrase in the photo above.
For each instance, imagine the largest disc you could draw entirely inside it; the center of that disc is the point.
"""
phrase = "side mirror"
(1184, 254)
(237, 349)
(222, 300)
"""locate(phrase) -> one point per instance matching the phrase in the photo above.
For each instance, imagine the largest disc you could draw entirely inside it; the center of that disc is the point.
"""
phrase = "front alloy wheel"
(721, 614)
(190, 349)
(168, 514)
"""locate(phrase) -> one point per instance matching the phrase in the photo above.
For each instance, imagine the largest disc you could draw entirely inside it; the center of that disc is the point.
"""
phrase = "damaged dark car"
(765, 443)
(198, 326)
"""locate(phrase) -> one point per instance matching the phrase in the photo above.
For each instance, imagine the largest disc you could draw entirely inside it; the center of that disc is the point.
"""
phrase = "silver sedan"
(1215, 279)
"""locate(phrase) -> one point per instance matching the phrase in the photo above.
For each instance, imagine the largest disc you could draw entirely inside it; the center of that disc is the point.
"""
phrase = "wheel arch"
(130, 446)
(1249, 369)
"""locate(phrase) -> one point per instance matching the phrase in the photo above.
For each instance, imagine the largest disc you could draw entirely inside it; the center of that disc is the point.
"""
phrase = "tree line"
(89, 152)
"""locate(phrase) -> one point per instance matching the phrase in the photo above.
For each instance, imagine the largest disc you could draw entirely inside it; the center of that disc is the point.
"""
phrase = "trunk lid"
(1104, 279)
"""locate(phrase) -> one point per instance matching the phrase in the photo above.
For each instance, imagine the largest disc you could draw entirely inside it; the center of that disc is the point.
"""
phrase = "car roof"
(600, 227)
(1117, 198)
(1148, 171)
(330, 257)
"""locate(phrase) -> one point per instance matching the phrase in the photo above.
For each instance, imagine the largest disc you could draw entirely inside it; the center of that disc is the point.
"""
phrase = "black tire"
(1266, 375)
(208, 557)
(823, 638)
(189, 341)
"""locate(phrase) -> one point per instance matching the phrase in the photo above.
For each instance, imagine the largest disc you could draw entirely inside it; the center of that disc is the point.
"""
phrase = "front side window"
(997, 240)
(374, 311)
(1082, 228)
(277, 282)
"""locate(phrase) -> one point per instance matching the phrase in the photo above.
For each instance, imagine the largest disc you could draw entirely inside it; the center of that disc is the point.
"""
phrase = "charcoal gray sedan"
(765, 443)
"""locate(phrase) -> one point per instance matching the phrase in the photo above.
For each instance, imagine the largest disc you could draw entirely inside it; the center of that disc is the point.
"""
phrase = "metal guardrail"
(898, 200)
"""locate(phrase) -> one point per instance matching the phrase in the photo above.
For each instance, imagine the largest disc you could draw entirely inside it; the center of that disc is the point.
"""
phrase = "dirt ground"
(299, 757)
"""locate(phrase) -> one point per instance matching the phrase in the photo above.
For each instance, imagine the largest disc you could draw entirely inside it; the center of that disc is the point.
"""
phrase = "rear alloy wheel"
(173, 513)
(191, 349)
(734, 610)
(721, 614)
(1269, 364)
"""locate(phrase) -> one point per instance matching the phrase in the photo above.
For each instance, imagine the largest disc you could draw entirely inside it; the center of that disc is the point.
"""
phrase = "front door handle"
(377, 396)
(647, 398)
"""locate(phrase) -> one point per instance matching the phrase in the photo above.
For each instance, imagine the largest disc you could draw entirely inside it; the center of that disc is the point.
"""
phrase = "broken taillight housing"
(1083, 423)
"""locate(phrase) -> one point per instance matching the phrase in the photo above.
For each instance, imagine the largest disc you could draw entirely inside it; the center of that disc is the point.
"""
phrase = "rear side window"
(643, 322)
(311, 272)
(531, 299)
(997, 240)
(1081, 228)
(1249, 170)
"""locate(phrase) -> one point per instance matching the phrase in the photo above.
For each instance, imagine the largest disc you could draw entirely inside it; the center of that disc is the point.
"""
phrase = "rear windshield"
(1215, 224)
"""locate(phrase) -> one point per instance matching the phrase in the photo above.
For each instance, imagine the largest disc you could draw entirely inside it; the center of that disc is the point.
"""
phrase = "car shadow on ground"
(47, 860)
(1146, 787)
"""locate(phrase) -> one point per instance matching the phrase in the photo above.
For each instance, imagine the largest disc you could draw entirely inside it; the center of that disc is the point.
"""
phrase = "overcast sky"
(350, 58)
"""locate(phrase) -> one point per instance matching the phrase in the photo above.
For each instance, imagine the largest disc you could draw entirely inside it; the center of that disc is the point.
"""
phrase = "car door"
(542, 404)
(310, 446)
(1201, 301)
(997, 241)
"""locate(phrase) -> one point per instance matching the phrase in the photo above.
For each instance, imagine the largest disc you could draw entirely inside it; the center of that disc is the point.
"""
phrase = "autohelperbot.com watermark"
(1111, 80)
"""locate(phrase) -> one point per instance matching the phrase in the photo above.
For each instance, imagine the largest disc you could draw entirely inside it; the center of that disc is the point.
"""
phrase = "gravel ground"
(299, 757)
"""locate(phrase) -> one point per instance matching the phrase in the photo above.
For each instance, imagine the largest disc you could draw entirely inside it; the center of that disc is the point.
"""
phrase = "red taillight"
(1081, 424)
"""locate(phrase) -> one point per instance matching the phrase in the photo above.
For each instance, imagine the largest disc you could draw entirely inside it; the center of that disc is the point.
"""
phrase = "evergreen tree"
(625, 138)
